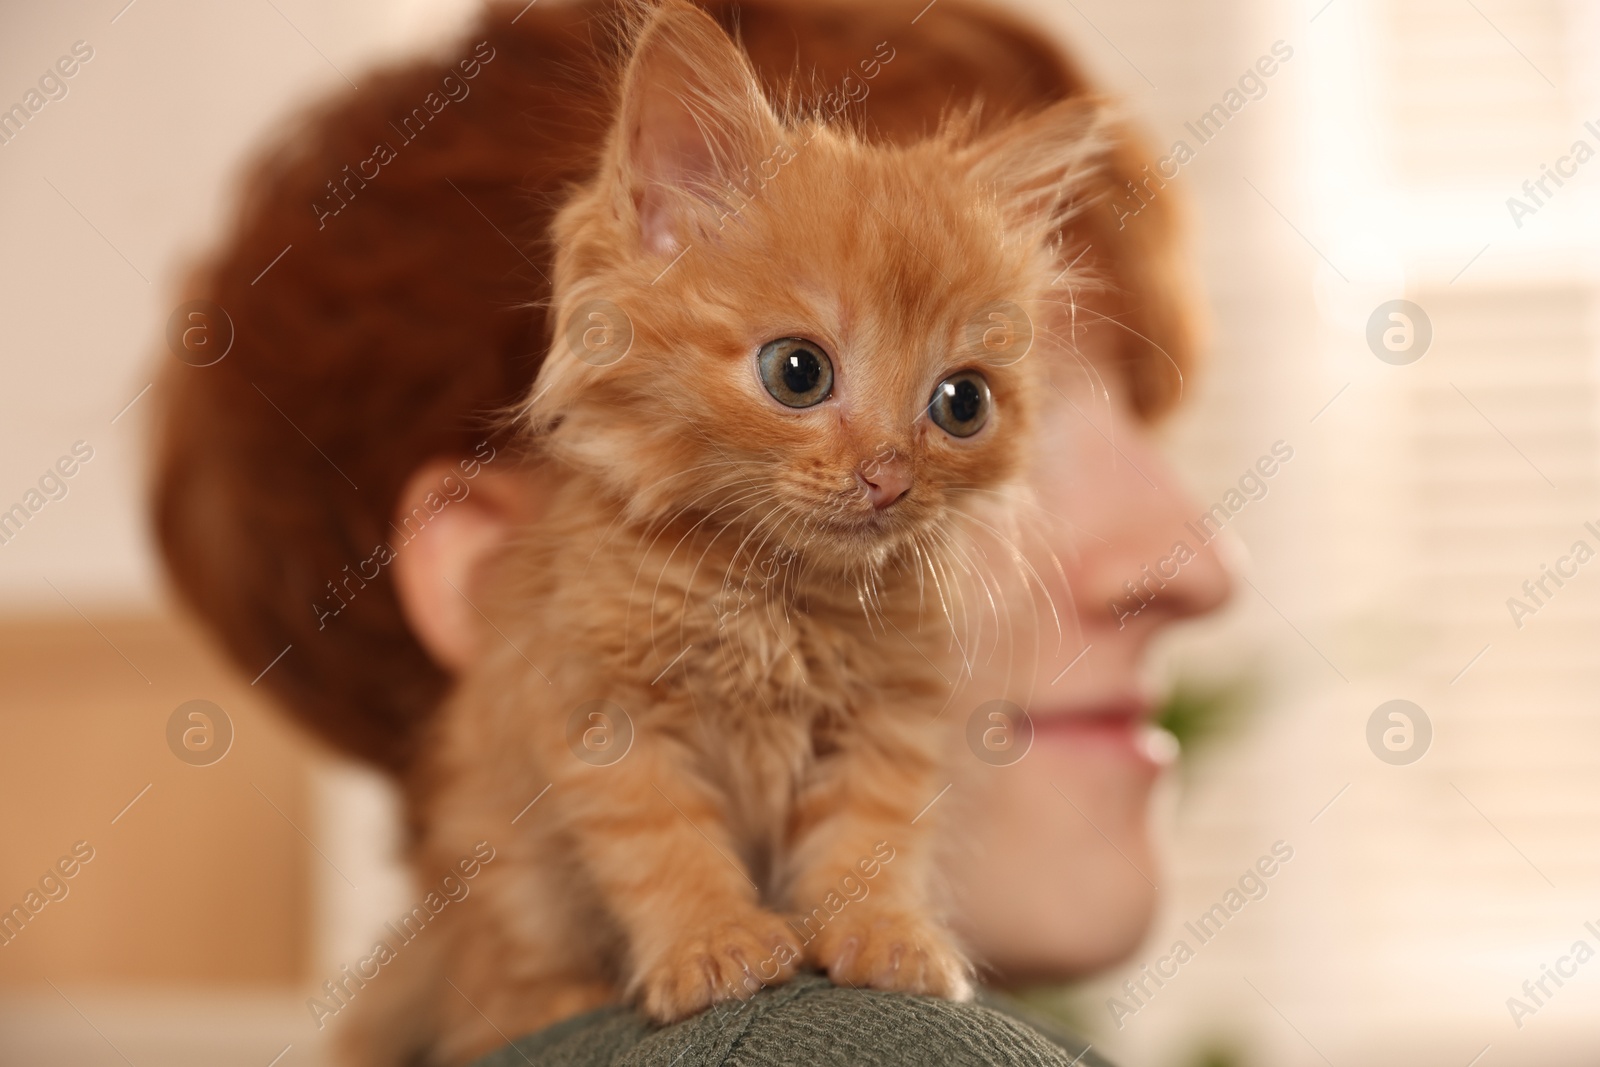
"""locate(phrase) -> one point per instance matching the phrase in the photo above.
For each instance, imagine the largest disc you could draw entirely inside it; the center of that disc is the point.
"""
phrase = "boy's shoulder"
(807, 1021)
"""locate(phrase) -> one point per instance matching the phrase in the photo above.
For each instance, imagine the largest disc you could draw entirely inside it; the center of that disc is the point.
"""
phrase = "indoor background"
(1400, 150)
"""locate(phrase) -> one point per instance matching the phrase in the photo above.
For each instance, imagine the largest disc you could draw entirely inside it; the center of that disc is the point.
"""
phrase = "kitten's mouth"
(872, 528)
(847, 528)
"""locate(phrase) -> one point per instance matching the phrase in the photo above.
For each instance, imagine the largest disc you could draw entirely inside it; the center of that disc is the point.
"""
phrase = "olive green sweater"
(808, 1022)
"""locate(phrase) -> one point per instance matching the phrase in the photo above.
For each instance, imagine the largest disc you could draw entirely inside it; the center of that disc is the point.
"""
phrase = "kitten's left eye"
(795, 371)
(960, 404)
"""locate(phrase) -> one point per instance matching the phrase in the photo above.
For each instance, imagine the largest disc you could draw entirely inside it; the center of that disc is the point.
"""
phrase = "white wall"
(140, 153)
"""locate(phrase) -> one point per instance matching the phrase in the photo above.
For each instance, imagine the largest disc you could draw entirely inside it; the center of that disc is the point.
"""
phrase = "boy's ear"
(693, 117)
(438, 567)
(1045, 168)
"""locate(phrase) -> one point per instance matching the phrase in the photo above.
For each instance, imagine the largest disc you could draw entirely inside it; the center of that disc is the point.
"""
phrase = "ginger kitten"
(719, 660)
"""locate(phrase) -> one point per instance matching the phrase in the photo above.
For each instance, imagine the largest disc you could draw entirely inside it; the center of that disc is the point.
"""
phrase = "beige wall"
(202, 880)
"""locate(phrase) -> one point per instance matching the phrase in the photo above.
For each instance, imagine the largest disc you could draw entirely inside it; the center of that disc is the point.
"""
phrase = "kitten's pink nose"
(885, 480)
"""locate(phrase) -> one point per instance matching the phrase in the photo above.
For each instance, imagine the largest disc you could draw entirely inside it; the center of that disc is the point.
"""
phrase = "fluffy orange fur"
(719, 660)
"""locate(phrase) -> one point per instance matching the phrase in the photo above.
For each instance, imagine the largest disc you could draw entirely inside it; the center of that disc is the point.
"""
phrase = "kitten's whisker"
(759, 495)
(916, 549)
(945, 598)
(734, 556)
(655, 594)
(961, 549)
(1020, 559)
(1016, 663)
(1069, 347)
(1046, 544)
(665, 524)
(740, 648)
(1007, 631)
(618, 521)
(662, 524)
(973, 620)
(689, 584)
(1110, 320)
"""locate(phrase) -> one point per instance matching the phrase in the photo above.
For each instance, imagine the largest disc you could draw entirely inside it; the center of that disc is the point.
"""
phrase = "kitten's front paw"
(892, 949)
(723, 960)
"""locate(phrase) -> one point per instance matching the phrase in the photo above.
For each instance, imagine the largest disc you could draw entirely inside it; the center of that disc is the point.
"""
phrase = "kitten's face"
(829, 357)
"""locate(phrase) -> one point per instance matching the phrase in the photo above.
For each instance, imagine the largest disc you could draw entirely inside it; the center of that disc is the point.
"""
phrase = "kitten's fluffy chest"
(742, 630)
(784, 672)
(776, 639)
(762, 665)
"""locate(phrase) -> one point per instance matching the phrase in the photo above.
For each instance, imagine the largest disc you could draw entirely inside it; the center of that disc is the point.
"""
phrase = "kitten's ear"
(692, 118)
(1045, 168)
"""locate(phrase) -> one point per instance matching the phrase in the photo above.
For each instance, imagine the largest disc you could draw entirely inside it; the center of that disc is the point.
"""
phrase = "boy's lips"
(1120, 726)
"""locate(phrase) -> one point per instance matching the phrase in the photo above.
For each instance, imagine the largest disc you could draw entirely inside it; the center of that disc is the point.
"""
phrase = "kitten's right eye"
(795, 371)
